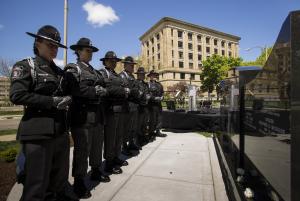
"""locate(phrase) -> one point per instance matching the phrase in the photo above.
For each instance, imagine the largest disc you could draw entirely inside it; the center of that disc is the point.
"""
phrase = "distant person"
(35, 84)
(143, 115)
(155, 107)
(130, 113)
(87, 119)
(114, 101)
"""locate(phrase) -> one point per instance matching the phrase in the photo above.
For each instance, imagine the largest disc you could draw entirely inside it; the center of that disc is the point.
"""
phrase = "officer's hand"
(62, 102)
(127, 91)
(148, 96)
(100, 91)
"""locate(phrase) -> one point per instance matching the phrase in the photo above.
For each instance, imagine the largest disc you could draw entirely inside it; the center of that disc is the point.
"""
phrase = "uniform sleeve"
(116, 92)
(21, 88)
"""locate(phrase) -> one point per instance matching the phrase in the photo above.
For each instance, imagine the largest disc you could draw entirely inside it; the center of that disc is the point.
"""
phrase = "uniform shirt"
(35, 90)
(86, 107)
(143, 86)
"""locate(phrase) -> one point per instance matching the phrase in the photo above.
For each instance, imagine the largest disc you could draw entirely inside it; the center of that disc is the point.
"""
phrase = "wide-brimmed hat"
(152, 72)
(49, 33)
(110, 55)
(129, 60)
(84, 42)
(141, 70)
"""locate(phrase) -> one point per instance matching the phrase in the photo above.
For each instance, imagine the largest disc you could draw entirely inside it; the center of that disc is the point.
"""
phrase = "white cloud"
(98, 14)
(59, 62)
(1, 26)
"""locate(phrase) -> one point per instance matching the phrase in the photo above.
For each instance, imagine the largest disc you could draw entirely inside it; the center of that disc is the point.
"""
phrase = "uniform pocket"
(36, 125)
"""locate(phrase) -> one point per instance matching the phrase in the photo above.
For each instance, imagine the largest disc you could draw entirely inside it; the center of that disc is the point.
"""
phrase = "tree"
(214, 70)
(5, 67)
(260, 60)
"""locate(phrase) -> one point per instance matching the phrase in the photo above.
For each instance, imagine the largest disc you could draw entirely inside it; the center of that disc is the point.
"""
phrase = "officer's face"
(141, 76)
(47, 49)
(152, 77)
(129, 67)
(85, 54)
(111, 63)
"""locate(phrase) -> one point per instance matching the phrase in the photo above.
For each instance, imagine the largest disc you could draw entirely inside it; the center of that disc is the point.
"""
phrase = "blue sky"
(122, 22)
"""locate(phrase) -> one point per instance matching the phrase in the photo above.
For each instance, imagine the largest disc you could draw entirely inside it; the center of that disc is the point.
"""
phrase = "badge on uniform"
(17, 72)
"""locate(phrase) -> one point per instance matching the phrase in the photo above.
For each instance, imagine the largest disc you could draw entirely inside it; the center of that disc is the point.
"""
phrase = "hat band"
(47, 38)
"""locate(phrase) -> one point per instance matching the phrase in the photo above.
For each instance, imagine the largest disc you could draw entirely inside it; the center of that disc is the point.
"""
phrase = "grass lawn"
(8, 132)
(11, 113)
(205, 134)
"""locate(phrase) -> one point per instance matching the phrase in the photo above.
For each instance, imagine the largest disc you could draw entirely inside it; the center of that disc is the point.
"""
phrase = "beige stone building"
(4, 91)
(176, 49)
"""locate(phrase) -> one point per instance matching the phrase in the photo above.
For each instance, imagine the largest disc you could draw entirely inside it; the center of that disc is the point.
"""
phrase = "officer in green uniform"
(35, 84)
(130, 108)
(114, 100)
(155, 107)
(143, 113)
(86, 115)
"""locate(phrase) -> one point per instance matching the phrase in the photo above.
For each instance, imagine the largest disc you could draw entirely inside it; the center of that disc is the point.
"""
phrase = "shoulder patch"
(17, 72)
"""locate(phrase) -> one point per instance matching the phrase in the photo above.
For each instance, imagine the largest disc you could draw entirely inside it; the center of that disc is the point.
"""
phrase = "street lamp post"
(263, 49)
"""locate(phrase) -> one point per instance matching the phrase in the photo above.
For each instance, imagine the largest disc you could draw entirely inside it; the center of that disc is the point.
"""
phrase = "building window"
(223, 52)
(174, 75)
(171, 32)
(180, 44)
(162, 75)
(172, 63)
(180, 64)
(152, 50)
(216, 51)
(179, 34)
(182, 76)
(190, 36)
(152, 40)
(180, 55)
(200, 65)
(172, 43)
(190, 45)
(192, 76)
(208, 50)
(215, 42)
(158, 46)
(229, 54)
(148, 53)
(158, 56)
(207, 40)
(229, 45)
(172, 53)
(199, 38)
(190, 56)
(199, 57)
(199, 48)
(223, 43)
(191, 65)
(147, 43)
(157, 36)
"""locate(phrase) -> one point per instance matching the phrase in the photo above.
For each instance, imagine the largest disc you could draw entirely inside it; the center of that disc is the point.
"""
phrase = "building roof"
(169, 19)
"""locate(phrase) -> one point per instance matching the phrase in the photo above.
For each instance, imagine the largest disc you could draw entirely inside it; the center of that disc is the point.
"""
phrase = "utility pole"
(65, 31)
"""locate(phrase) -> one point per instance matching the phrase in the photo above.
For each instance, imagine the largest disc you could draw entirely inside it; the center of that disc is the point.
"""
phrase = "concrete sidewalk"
(180, 167)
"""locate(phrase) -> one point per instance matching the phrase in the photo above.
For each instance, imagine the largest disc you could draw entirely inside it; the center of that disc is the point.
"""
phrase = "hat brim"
(141, 73)
(75, 47)
(103, 59)
(128, 62)
(46, 38)
(154, 74)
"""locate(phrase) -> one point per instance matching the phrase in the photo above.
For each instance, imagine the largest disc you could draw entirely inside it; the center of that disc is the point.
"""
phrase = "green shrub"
(9, 155)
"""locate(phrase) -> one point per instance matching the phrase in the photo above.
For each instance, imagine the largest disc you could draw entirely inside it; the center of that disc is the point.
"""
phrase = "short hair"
(77, 54)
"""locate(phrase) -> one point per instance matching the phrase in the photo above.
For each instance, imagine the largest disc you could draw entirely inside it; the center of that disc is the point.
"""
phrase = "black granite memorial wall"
(259, 142)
